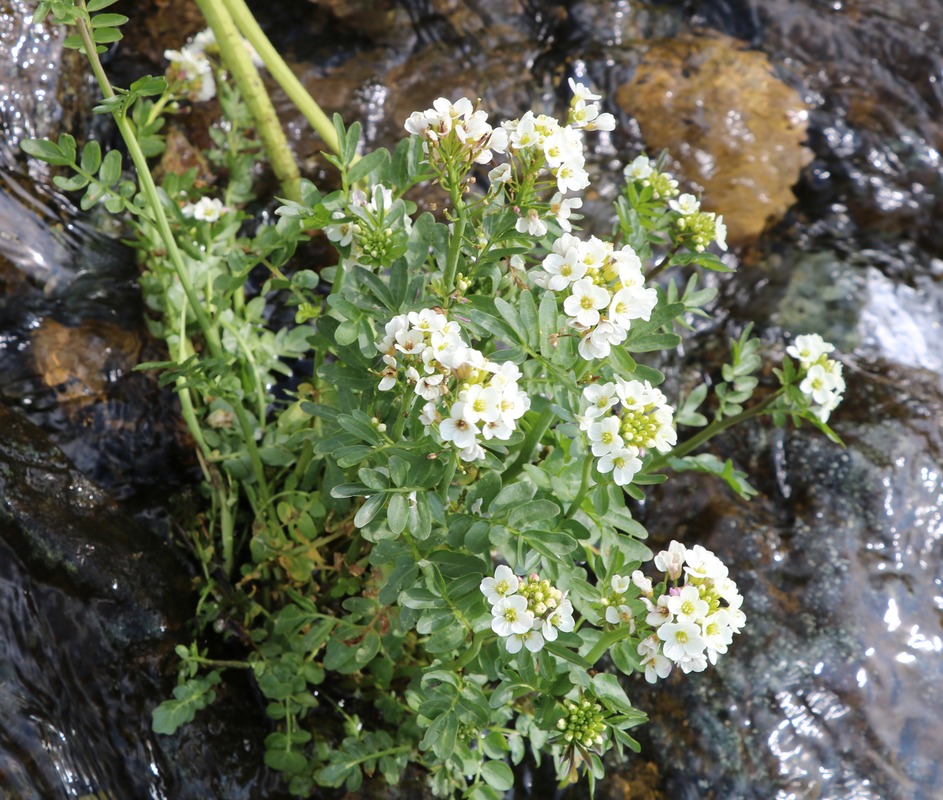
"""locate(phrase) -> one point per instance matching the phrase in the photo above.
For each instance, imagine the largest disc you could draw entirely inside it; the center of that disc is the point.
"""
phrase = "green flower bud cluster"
(700, 227)
(663, 185)
(583, 724)
(376, 247)
(540, 594)
(639, 429)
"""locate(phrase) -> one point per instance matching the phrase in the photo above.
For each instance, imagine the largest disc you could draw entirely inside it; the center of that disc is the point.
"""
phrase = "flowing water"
(815, 126)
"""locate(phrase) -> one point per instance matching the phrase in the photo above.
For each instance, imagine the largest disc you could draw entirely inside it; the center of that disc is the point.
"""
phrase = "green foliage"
(346, 541)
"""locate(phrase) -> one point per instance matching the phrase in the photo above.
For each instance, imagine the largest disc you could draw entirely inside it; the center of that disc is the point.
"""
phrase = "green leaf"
(110, 170)
(91, 157)
(547, 322)
(550, 544)
(498, 775)
(108, 21)
(189, 697)
(527, 309)
(46, 151)
(375, 160)
(98, 5)
(397, 514)
(513, 495)
(106, 35)
(530, 514)
(369, 509)
(610, 692)
(441, 736)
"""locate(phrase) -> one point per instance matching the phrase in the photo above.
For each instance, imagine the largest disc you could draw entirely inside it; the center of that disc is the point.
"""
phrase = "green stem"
(282, 73)
(149, 189)
(717, 426)
(250, 86)
(531, 440)
(584, 488)
(455, 247)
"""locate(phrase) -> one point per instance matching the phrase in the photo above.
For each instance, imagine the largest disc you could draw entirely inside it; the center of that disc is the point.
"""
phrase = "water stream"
(816, 126)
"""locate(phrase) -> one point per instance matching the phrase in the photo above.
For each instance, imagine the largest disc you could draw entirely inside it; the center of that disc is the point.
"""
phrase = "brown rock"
(80, 362)
(736, 130)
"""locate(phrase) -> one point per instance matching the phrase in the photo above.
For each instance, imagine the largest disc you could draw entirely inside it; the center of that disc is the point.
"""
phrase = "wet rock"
(736, 130)
(871, 302)
(79, 362)
(825, 692)
(93, 604)
(42, 85)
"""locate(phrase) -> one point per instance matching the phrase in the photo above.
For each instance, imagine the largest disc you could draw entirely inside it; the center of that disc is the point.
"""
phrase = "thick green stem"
(282, 73)
(455, 245)
(149, 189)
(717, 426)
(244, 73)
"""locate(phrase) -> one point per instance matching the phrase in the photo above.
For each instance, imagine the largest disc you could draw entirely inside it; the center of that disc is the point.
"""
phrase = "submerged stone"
(737, 131)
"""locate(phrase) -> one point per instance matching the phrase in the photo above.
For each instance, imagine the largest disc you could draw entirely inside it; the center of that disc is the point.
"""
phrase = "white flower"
(809, 348)
(480, 403)
(531, 224)
(604, 437)
(718, 633)
(504, 583)
(598, 342)
(681, 640)
(622, 463)
(602, 122)
(563, 264)
(639, 169)
(686, 204)
(563, 209)
(656, 666)
(205, 209)
(585, 301)
(457, 429)
(643, 584)
(559, 619)
(702, 563)
(632, 303)
(510, 615)
(819, 384)
(720, 232)
(671, 561)
(581, 92)
(687, 605)
(531, 639)
(193, 71)
(600, 397)
(500, 174)
(620, 584)
(693, 663)
(619, 615)
(570, 175)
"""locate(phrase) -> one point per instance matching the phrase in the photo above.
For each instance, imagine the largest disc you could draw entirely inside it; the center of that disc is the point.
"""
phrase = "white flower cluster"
(822, 383)
(457, 125)
(694, 621)
(526, 612)
(467, 395)
(191, 68)
(623, 419)
(605, 290)
(701, 227)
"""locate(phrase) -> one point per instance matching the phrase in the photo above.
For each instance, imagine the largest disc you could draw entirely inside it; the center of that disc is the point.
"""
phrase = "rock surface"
(737, 131)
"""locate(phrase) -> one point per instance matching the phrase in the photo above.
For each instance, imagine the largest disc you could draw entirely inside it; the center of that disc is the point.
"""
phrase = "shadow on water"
(833, 691)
